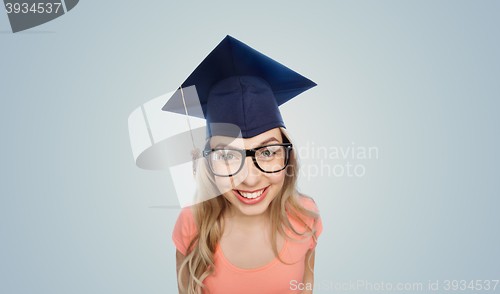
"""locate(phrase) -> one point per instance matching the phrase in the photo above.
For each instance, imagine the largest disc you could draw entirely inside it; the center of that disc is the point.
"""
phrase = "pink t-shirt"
(274, 277)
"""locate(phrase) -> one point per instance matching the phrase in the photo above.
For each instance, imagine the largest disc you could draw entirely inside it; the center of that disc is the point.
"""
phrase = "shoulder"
(184, 230)
(185, 221)
(308, 203)
(301, 215)
(314, 223)
(186, 213)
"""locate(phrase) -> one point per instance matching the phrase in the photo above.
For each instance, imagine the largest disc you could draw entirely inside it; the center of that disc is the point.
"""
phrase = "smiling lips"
(252, 197)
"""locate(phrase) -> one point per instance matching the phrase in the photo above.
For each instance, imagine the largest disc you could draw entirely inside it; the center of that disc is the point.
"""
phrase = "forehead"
(272, 136)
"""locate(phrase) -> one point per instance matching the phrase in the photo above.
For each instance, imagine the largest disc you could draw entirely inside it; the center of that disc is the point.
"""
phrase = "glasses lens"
(225, 162)
(271, 158)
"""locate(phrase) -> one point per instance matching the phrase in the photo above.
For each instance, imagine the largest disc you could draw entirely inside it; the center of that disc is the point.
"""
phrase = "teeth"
(251, 195)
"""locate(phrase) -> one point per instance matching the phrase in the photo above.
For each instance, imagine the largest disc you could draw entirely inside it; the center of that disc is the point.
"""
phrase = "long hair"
(208, 217)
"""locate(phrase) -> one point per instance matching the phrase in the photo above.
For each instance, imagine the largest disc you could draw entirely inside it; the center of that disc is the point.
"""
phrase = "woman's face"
(250, 191)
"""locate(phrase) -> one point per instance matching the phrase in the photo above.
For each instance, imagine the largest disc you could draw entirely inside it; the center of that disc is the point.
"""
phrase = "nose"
(251, 173)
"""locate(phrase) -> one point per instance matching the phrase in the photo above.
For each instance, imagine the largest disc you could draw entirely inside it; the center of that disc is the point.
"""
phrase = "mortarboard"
(238, 86)
(235, 91)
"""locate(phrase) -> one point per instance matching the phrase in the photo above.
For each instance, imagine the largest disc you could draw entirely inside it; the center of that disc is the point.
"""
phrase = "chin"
(252, 209)
(256, 209)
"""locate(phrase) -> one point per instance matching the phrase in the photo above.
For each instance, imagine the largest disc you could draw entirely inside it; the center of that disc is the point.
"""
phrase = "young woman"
(259, 234)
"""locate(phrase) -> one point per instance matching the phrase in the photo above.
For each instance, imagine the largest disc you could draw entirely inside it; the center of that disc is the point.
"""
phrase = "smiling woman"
(259, 233)
(256, 187)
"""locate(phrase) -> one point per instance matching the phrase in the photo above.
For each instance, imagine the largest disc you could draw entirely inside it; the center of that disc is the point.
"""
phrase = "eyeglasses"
(227, 162)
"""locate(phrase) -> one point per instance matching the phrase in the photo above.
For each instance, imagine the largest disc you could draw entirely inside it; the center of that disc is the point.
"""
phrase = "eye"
(228, 156)
(268, 152)
(224, 155)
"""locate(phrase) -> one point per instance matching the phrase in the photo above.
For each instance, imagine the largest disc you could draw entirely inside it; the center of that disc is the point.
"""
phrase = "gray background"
(416, 79)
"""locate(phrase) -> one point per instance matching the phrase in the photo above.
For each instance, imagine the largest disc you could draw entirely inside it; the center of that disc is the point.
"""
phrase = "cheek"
(226, 184)
(225, 188)
(223, 184)
(277, 178)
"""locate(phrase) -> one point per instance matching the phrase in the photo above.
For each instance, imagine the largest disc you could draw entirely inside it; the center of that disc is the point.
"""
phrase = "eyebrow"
(265, 142)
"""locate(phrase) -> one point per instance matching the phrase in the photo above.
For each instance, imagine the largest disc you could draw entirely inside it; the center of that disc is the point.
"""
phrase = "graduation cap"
(237, 89)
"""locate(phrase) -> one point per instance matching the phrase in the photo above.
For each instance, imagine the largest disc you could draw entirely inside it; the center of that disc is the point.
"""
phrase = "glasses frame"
(249, 152)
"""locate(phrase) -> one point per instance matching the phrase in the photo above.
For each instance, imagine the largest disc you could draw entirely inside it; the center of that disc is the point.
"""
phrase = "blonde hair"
(199, 261)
